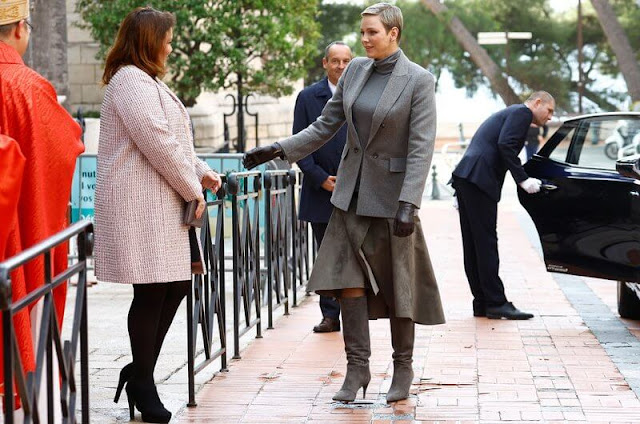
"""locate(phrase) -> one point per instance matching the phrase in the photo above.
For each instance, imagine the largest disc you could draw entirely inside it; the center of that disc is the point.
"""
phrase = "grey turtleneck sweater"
(367, 101)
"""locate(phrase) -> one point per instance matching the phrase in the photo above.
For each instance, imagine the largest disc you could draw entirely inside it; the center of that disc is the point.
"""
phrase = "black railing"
(277, 234)
(287, 262)
(49, 341)
(245, 224)
(206, 300)
(300, 238)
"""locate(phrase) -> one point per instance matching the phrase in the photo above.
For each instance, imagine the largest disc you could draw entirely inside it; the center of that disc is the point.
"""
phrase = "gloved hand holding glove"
(531, 185)
(403, 225)
(260, 155)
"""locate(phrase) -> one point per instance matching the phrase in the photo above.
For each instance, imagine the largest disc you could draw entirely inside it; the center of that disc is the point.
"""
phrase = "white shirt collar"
(332, 88)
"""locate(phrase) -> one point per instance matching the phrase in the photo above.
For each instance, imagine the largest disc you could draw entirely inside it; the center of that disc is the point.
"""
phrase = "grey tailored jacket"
(396, 159)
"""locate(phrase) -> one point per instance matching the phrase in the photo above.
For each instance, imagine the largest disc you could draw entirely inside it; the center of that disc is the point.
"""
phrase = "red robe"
(49, 139)
(11, 169)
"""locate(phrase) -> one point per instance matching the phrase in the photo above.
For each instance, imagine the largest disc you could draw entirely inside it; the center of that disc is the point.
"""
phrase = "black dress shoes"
(480, 311)
(508, 311)
(479, 308)
(327, 325)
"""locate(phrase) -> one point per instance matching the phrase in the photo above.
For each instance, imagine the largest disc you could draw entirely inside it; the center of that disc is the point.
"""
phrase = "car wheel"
(628, 300)
(611, 151)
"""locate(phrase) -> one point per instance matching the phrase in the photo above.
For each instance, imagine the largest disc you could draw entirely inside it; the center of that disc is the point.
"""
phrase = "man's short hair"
(542, 95)
(390, 16)
(5, 30)
(331, 44)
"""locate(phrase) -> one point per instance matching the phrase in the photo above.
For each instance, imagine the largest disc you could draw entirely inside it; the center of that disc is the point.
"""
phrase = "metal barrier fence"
(277, 186)
(245, 208)
(286, 267)
(206, 301)
(301, 240)
(49, 341)
(284, 237)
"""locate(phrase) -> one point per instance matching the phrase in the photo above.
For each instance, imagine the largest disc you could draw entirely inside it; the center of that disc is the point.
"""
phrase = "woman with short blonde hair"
(374, 256)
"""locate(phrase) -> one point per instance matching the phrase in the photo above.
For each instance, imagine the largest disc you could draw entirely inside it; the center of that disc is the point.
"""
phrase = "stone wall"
(85, 71)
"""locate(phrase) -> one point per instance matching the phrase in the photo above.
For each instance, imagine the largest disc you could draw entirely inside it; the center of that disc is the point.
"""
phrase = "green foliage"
(265, 42)
(548, 61)
(336, 21)
(427, 41)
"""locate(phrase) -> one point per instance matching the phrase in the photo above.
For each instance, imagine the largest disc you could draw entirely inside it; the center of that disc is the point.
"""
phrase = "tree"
(252, 45)
(336, 21)
(427, 41)
(478, 55)
(547, 61)
(620, 45)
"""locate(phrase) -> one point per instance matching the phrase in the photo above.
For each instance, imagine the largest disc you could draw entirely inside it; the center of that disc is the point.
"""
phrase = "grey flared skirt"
(362, 252)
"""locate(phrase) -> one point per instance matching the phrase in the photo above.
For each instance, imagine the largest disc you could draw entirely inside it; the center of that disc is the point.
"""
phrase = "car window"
(560, 152)
(608, 140)
(595, 142)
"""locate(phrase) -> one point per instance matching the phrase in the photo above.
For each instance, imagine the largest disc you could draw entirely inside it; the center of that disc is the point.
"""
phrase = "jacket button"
(356, 150)
(375, 156)
(382, 125)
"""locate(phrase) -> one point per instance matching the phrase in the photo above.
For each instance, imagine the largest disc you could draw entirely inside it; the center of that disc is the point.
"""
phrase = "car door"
(587, 214)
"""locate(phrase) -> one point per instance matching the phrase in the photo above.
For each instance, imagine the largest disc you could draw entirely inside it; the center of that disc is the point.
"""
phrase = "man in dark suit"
(320, 167)
(478, 181)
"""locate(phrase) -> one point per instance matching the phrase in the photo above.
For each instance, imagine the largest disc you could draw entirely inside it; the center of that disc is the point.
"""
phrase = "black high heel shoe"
(125, 375)
(145, 398)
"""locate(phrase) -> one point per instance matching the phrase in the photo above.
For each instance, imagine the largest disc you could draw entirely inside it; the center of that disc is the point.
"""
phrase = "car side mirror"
(629, 168)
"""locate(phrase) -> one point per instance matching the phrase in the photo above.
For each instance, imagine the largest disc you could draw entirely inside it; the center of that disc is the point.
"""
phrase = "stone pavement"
(575, 361)
(552, 368)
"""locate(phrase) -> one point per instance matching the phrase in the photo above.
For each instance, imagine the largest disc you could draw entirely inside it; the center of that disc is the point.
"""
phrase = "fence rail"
(49, 341)
(271, 227)
(278, 190)
(245, 188)
(206, 301)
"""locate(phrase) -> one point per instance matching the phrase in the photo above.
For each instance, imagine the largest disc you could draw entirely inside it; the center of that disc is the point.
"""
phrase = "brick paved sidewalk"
(549, 369)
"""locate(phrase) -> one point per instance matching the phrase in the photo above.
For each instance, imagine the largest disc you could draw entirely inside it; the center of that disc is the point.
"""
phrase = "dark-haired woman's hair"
(140, 40)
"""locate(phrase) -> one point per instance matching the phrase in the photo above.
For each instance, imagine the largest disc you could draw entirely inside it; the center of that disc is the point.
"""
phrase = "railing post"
(85, 246)
(268, 240)
(257, 186)
(7, 350)
(191, 346)
(293, 218)
(233, 189)
(222, 317)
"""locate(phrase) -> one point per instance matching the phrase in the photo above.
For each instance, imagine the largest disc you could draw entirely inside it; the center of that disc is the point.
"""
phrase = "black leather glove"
(403, 225)
(260, 155)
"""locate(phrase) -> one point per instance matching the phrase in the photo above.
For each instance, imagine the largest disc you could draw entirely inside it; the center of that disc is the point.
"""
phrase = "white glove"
(531, 185)
(455, 202)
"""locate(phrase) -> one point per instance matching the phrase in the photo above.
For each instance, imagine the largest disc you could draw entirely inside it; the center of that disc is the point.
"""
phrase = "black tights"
(150, 316)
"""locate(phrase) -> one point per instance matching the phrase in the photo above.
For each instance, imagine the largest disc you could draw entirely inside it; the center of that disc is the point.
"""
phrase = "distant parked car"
(588, 211)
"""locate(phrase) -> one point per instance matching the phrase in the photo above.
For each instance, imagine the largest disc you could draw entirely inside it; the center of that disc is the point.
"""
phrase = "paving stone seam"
(595, 314)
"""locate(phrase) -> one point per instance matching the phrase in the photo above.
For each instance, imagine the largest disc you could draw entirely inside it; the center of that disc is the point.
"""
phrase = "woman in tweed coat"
(374, 256)
(147, 171)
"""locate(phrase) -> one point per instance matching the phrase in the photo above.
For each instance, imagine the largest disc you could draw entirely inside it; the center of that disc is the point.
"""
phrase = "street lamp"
(580, 73)
(503, 38)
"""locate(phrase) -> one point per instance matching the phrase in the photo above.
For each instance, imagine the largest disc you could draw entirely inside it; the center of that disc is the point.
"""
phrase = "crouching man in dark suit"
(320, 168)
(478, 181)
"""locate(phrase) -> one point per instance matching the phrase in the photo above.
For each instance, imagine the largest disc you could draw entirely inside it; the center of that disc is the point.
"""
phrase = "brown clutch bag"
(190, 215)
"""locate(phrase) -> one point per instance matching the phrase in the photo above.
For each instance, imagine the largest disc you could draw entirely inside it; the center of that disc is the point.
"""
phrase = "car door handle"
(549, 187)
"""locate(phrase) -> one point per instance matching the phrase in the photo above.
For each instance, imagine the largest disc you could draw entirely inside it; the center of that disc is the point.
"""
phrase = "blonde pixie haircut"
(390, 16)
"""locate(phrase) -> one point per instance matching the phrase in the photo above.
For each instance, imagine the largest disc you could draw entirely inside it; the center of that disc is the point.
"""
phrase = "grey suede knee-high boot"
(402, 338)
(355, 330)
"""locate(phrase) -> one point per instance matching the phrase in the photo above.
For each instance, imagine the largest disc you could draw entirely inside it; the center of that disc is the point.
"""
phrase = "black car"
(588, 211)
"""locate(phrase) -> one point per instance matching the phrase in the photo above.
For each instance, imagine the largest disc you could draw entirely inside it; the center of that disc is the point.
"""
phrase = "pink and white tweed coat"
(147, 170)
